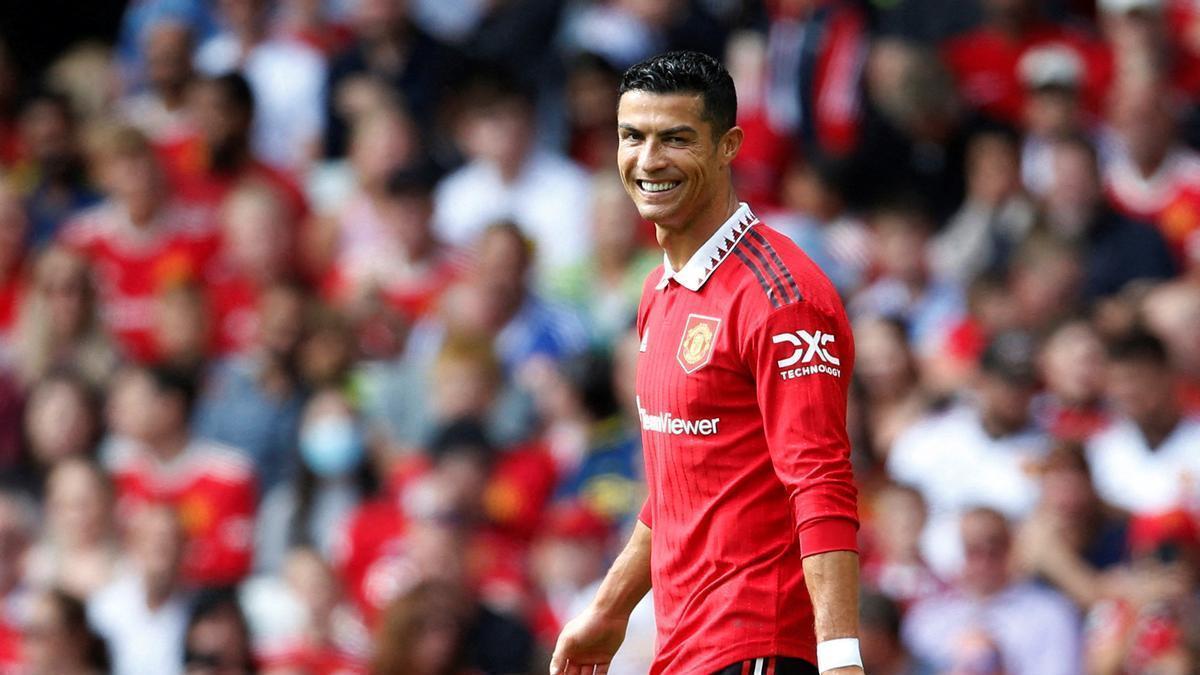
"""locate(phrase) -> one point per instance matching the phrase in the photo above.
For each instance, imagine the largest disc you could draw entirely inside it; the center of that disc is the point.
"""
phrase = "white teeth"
(657, 187)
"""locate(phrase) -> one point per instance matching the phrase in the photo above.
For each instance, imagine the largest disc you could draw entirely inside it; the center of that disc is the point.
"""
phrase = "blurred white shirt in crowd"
(1035, 629)
(550, 200)
(956, 465)
(140, 640)
(288, 80)
(1131, 475)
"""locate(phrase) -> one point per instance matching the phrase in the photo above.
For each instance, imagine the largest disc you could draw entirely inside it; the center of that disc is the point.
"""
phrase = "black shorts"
(770, 665)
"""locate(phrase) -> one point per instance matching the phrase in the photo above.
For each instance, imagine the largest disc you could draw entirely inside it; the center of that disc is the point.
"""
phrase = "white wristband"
(838, 653)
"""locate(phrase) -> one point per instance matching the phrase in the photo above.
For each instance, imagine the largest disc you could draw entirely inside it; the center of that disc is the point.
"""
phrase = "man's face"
(1140, 390)
(670, 162)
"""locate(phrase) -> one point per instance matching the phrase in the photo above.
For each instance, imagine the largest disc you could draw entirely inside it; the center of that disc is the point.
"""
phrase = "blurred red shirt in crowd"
(213, 488)
(984, 62)
(375, 558)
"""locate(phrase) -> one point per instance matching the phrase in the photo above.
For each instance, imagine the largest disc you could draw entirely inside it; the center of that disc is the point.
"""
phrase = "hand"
(588, 642)
(847, 670)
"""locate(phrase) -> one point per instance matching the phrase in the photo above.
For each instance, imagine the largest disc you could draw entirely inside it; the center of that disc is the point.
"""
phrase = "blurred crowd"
(316, 347)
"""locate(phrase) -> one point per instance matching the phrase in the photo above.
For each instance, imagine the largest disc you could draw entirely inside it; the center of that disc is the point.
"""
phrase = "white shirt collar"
(705, 260)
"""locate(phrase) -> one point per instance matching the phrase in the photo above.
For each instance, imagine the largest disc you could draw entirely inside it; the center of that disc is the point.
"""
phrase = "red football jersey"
(214, 489)
(133, 266)
(741, 389)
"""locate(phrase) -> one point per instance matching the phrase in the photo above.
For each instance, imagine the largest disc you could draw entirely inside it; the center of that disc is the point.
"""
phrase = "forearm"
(832, 580)
(628, 580)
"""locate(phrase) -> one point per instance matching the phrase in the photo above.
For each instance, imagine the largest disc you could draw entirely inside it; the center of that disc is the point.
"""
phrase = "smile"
(658, 186)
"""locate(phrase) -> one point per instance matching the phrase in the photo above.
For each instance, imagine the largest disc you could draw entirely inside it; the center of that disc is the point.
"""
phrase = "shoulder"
(220, 462)
(89, 225)
(774, 276)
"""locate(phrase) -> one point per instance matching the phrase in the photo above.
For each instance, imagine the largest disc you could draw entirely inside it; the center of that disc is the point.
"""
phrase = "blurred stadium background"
(315, 323)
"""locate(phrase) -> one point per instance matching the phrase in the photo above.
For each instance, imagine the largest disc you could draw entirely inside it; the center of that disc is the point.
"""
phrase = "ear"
(730, 144)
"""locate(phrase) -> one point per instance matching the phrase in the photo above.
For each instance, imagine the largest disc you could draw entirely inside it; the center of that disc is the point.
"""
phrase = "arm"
(832, 580)
(592, 638)
(804, 416)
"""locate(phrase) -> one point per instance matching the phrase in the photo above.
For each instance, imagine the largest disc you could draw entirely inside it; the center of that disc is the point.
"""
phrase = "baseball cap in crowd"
(1051, 67)
(1163, 534)
(576, 522)
(1125, 6)
(1011, 355)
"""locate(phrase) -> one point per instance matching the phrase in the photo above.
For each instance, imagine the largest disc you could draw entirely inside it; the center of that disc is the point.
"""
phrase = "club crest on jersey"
(696, 346)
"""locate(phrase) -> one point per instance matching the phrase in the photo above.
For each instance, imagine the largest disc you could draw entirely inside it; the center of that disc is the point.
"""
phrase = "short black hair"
(685, 72)
(1139, 347)
(175, 382)
(236, 90)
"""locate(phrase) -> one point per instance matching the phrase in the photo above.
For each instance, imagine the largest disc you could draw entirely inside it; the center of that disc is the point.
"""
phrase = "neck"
(171, 447)
(681, 243)
(1157, 428)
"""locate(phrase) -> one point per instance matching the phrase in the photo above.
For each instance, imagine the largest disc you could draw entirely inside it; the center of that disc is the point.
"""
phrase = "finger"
(557, 663)
(602, 669)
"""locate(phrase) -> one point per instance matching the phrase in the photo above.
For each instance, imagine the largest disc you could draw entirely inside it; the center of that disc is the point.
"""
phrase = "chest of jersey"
(694, 390)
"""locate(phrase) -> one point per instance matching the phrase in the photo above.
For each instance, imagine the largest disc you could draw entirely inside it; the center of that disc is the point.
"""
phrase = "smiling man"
(748, 535)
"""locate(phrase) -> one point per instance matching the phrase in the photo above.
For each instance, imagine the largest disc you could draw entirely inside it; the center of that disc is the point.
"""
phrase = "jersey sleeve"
(802, 358)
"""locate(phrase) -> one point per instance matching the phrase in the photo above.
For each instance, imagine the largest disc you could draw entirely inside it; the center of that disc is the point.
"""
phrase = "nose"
(652, 158)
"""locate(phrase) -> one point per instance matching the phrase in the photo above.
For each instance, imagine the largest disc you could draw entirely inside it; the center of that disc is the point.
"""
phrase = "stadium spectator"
(61, 420)
(258, 251)
(498, 300)
(140, 240)
(335, 475)
(78, 550)
(989, 616)
(894, 565)
(995, 217)
(253, 401)
(590, 110)
(905, 287)
(975, 454)
(51, 172)
(390, 248)
(1070, 540)
(389, 48)
(1171, 312)
(60, 325)
(159, 110)
(508, 176)
(1053, 77)
(1072, 405)
(816, 216)
(327, 636)
(217, 640)
(219, 158)
(1143, 628)
(437, 628)
(59, 641)
(883, 651)
(1150, 175)
(1143, 462)
(156, 460)
(889, 381)
(182, 332)
(18, 520)
(1143, 37)
(1115, 249)
(912, 108)
(1044, 284)
(143, 614)
(567, 556)
(286, 75)
(607, 476)
(606, 287)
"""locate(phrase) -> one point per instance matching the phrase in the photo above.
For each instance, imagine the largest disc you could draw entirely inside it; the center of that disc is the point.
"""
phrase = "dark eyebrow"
(682, 128)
